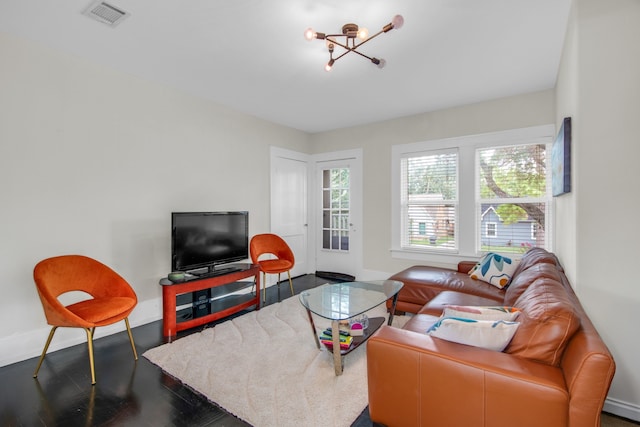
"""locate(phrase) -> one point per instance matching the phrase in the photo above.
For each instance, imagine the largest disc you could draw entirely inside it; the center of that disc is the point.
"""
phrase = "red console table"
(220, 307)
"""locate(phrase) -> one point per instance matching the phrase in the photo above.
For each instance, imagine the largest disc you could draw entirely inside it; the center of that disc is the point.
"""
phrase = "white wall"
(599, 87)
(92, 161)
(376, 141)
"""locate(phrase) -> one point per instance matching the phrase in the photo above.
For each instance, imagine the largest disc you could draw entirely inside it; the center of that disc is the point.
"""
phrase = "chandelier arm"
(341, 55)
(358, 52)
(344, 46)
(369, 38)
(354, 51)
(349, 49)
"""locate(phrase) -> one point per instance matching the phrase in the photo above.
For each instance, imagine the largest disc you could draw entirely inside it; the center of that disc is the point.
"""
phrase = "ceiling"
(251, 55)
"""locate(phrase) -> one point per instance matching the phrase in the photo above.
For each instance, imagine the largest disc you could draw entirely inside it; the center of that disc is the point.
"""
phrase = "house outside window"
(457, 198)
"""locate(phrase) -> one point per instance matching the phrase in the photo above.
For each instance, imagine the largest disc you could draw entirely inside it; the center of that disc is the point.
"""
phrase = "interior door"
(338, 212)
(289, 204)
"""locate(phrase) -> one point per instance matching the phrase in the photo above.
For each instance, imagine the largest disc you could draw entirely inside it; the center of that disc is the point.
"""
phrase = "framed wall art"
(561, 160)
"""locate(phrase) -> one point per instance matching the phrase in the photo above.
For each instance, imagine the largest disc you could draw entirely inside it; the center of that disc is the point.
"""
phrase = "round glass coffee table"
(343, 301)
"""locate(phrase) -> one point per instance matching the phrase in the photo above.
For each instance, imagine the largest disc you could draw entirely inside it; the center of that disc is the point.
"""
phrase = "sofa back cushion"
(548, 320)
(525, 278)
(536, 256)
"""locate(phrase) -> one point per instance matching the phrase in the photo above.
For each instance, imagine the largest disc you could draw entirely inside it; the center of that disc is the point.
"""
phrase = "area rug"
(265, 368)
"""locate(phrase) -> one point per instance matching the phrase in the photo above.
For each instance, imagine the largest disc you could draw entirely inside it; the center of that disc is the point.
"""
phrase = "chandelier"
(347, 40)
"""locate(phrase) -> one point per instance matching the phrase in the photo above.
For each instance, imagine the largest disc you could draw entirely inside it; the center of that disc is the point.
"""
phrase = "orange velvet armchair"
(272, 244)
(112, 300)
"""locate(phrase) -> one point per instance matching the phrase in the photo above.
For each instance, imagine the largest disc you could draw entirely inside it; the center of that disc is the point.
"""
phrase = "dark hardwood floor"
(127, 393)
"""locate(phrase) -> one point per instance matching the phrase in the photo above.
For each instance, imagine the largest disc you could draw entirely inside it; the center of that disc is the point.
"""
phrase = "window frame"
(466, 231)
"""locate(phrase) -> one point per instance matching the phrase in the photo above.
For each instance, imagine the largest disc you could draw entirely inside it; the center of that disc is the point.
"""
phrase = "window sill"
(433, 257)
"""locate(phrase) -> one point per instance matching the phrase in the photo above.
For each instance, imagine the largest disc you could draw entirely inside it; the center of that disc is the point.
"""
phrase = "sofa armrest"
(415, 379)
(466, 266)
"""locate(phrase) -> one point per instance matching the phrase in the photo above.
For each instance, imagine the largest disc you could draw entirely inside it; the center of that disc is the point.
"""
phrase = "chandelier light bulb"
(379, 62)
(309, 34)
(329, 65)
(397, 21)
(363, 33)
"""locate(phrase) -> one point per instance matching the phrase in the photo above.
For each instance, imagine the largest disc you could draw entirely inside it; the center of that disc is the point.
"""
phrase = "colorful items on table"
(327, 339)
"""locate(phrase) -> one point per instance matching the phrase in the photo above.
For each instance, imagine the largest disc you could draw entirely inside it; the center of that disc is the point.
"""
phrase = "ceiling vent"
(105, 13)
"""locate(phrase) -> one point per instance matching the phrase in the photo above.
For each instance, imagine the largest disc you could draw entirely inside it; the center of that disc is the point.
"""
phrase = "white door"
(289, 201)
(338, 212)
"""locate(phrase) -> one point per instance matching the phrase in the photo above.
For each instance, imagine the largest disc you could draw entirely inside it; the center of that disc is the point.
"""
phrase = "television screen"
(207, 239)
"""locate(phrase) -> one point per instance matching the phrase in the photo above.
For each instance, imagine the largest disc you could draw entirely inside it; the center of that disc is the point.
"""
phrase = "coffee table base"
(374, 324)
(353, 302)
(338, 364)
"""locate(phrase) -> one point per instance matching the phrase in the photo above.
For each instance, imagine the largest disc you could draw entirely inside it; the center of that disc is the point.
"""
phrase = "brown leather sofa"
(556, 371)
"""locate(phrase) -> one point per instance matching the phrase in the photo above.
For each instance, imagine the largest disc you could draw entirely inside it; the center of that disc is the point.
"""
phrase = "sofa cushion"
(536, 256)
(495, 269)
(420, 323)
(423, 283)
(524, 278)
(547, 321)
(489, 334)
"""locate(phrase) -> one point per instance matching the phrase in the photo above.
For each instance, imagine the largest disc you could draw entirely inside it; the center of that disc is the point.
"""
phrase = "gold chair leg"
(278, 284)
(89, 332)
(264, 286)
(44, 351)
(290, 282)
(133, 346)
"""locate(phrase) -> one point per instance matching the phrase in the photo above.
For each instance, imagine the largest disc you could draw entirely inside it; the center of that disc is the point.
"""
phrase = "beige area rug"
(265, 368)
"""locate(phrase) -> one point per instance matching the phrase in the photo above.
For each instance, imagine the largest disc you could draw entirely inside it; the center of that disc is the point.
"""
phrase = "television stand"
(224, 303)
(217, 272)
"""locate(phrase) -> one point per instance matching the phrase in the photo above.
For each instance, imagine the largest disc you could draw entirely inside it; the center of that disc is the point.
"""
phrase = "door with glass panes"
(339, 217)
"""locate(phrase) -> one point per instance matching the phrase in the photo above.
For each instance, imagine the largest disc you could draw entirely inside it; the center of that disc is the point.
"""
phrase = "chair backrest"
(58, 275)
(268, 243)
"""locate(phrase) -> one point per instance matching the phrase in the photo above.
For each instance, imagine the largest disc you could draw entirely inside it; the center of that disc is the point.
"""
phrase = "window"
(512, 196)
(335, 209)
(429, 200)
(422, 228)
(457, 198)
(491, 229)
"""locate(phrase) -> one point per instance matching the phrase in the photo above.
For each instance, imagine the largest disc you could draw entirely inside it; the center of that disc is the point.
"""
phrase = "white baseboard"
(622, 409)
(373, 275)
(30, 344)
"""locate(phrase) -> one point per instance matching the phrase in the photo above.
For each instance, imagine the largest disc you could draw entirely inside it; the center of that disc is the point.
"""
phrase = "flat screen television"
(201, 241)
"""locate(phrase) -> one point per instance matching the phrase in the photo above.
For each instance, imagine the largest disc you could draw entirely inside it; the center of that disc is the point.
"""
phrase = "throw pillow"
(494, 269)
(481, 313)
(489, 334)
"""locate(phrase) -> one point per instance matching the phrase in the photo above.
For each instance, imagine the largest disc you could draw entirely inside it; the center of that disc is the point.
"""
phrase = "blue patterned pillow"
(494, 269)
